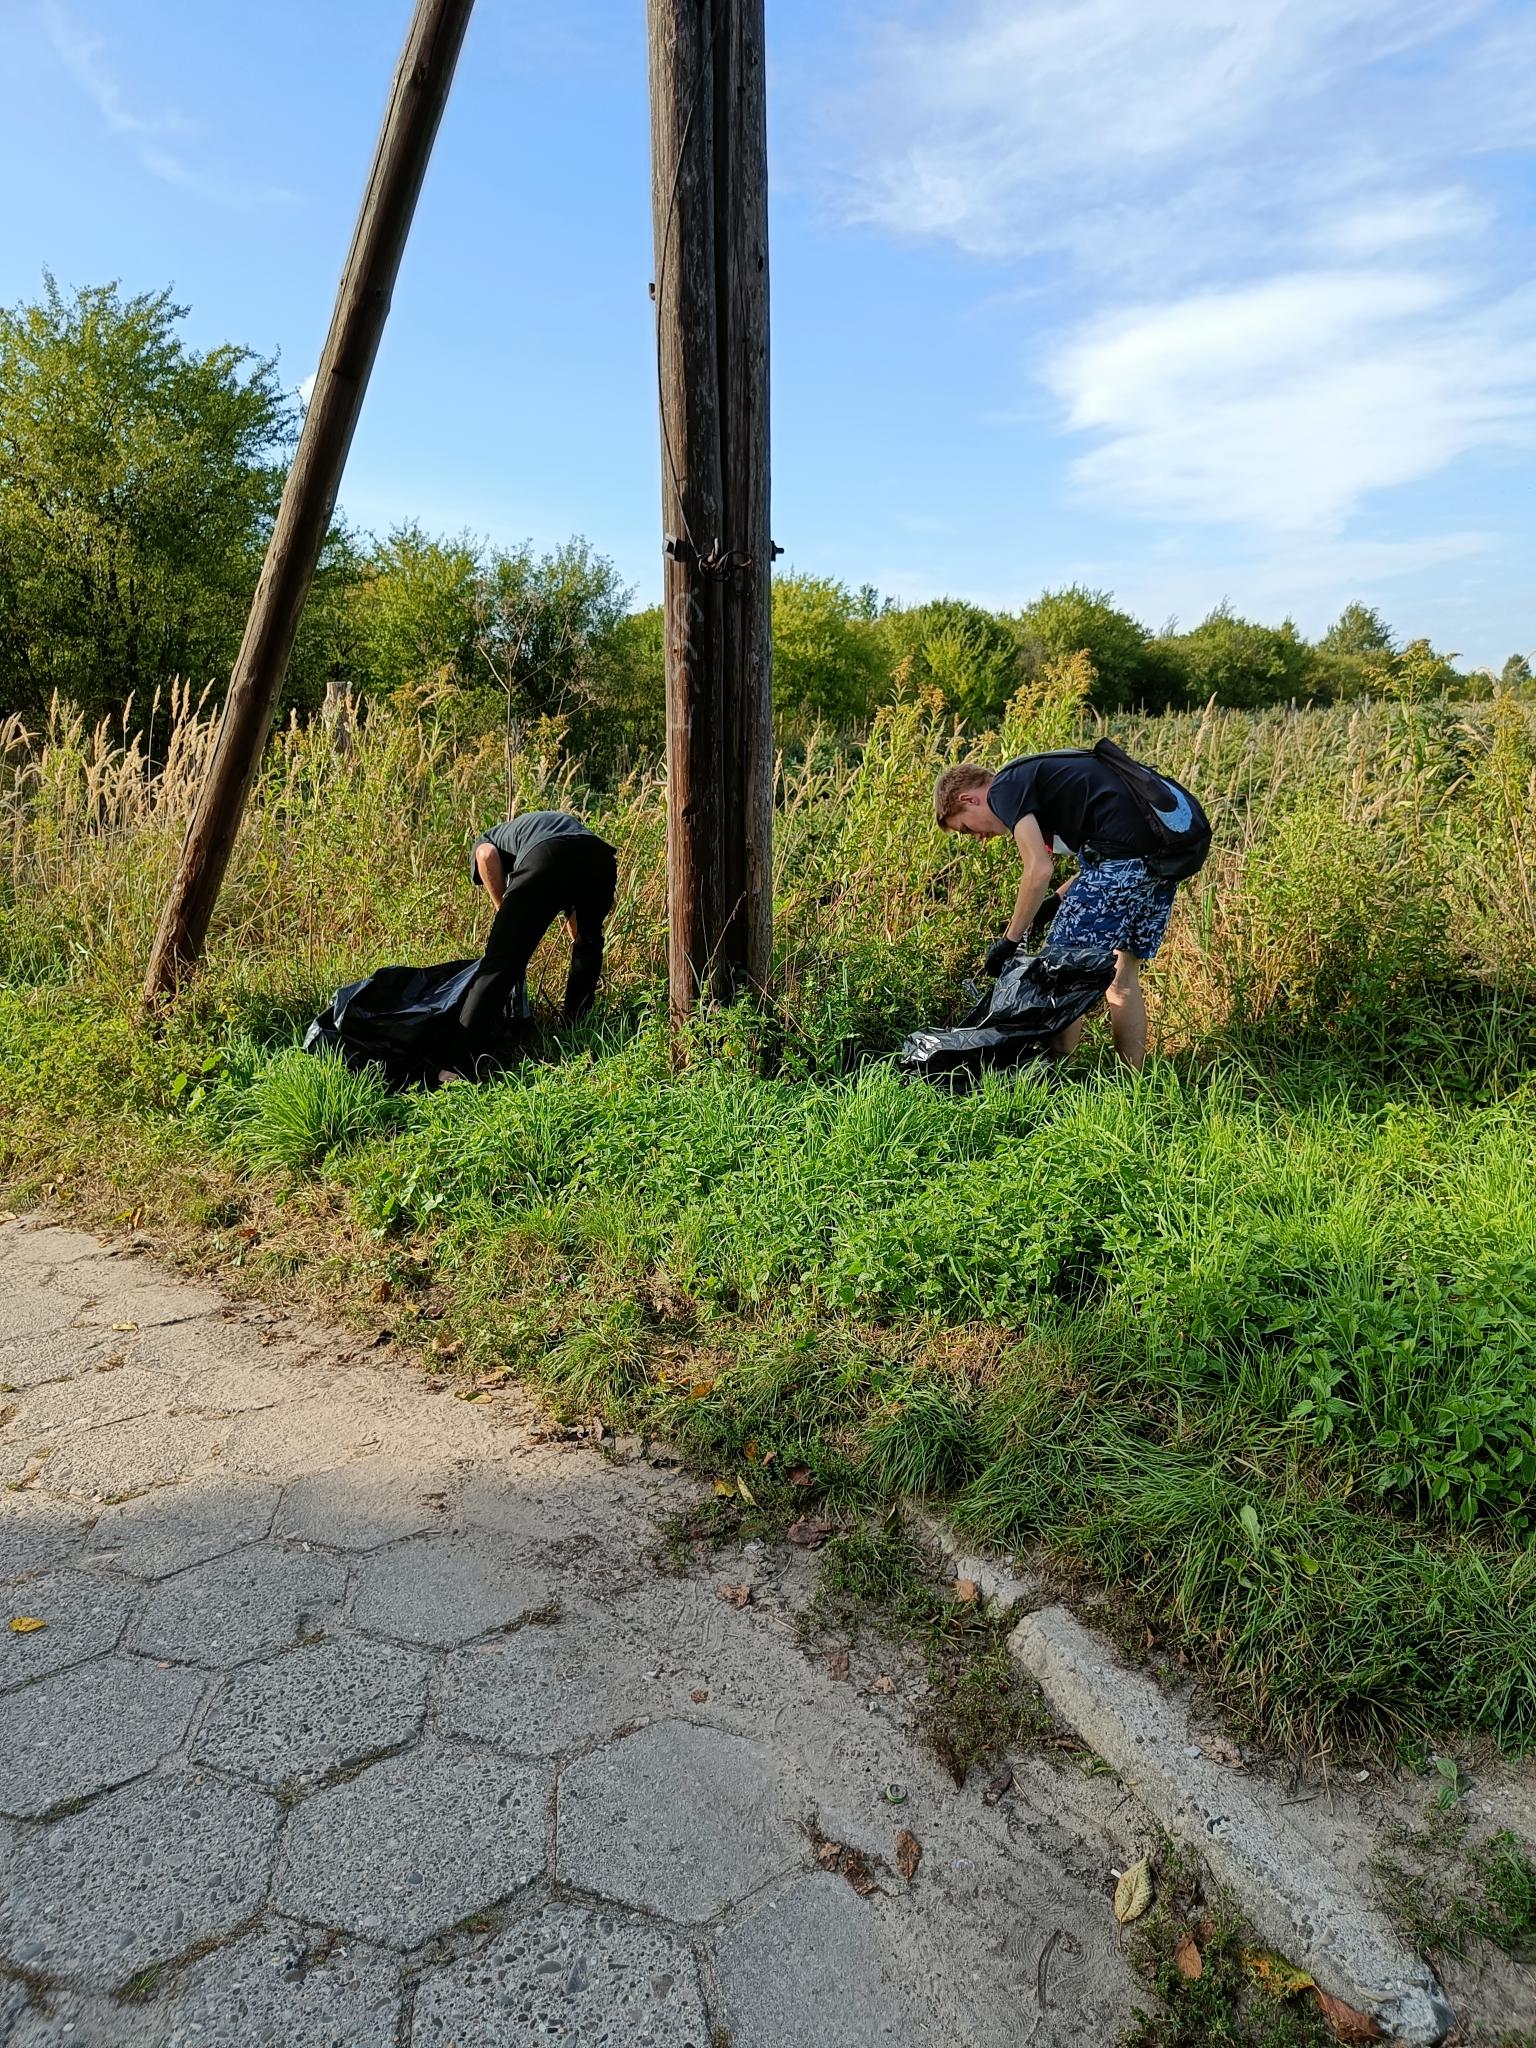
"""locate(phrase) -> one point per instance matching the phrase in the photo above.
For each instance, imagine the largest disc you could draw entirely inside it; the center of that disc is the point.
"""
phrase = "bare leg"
(1128, 1011)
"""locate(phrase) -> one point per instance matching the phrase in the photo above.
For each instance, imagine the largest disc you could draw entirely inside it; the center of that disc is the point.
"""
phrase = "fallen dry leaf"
(723, 1489)
(735, 1596)
(26, 1624)
(966, 1590)
(1221, 1751)
(7, 1216)
(882, 1684)
(1278, 1976)
(837, 1664)
(745, 1491)
(125, 1326)
(700, 1696)
(809, 1534)
(1345, 2023)
(385, 1291)
(909, 1853)
(829, 1854)
(1133, 1894)
(859, 1871)
(799, 1475)
(1186, 1958)
(446, 1347)
(1002, 1783)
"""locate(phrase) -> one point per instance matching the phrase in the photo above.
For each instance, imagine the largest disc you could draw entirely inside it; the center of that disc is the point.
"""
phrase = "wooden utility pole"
(710, 202)
(416, 104)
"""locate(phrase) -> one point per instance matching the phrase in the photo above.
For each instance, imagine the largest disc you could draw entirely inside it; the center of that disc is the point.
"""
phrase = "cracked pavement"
(361, 1717)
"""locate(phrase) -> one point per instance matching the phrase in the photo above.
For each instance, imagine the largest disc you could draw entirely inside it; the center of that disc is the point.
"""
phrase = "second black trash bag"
(1037, 996)
(401, 1019)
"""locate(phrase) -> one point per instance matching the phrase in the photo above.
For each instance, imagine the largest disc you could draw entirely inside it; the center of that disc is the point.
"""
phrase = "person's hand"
(999, 953)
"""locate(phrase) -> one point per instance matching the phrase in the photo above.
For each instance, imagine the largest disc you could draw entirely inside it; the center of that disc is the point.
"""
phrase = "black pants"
(575, 875)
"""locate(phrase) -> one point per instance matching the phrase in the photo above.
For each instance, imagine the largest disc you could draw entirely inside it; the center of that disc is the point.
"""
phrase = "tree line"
(138, 482)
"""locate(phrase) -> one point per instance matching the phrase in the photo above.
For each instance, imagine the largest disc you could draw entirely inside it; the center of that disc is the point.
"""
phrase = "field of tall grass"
(1248, 1341)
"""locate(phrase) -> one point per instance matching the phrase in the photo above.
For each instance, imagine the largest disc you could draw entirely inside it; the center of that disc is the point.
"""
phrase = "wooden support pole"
(422, 79)
(709, 197)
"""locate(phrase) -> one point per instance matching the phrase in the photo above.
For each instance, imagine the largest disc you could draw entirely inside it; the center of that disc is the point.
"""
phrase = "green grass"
(1248, 1342)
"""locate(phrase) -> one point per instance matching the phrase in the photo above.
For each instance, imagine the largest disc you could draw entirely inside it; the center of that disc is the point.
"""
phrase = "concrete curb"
(1296, 1902)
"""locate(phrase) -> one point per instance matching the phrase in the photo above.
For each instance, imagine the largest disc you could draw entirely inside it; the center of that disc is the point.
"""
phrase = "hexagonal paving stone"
(367, 1503)
(547, 1690)
(82, 1614)
(178, 1526)
(412, 1845)
(241, 1606)
(85, 1730)
(67, 1406)
(276, 1989)
(122, 1459)
(585, 1979)
(38, 1534)
(804, 1969)
(70, 2021)
(63, 1355)
(447, 1589)
(137, 1878)
(315, 1709)
(676, 1819)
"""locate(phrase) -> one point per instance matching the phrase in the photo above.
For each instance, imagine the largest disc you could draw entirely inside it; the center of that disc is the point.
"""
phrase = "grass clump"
(301, 1108)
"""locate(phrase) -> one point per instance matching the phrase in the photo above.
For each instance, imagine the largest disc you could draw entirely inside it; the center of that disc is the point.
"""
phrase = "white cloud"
(306, 390)
(1282, 405)
(1262, 233)
(84, 55)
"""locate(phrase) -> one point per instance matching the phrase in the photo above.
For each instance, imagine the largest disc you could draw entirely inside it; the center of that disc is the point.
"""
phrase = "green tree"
(414, 611)
(970, 656)
(138, 479)
(1515, 674)
(1239, 662)
(1079, 620)
(1358, 630)
(829, 662)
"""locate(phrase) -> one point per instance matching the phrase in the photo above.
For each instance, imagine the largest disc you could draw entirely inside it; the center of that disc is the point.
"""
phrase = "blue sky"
(1197, 300)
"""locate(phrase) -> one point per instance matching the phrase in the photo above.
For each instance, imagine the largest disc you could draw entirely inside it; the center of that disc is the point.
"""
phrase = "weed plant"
(1249, 1340)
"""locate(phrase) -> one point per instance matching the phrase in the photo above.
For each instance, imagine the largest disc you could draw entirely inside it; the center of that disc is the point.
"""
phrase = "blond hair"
(953, 784)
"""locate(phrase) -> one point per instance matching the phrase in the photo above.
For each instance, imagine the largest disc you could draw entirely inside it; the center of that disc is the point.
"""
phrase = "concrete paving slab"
(804, 1970)
(677, 1820)
(47, 1312)
(442, 1590)
(178, 1526)
(136, 1878)
(368, 1502)
(38, 1534)
(90, 1728)
(413, 1845)
(30, 1245)
(588, 1980)
(550, 1689)
(313, 1710)
(141, 1295)
(235, 1390)
(238, 1607)
(287, 1987)
(81, 1613)
(123, 1459)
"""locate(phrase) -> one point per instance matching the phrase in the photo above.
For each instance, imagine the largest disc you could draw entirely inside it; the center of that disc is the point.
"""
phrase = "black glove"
(999, 953)
(1043, 916)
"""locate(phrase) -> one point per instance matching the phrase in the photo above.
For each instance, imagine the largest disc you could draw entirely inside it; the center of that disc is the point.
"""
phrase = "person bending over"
(1072, 803)
(534, 868)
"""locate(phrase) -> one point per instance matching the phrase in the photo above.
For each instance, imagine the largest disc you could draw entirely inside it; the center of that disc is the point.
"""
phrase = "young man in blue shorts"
(1071, 803)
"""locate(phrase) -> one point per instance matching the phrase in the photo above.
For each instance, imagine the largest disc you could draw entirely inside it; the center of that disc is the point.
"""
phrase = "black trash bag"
(1037, 996)
(401, 1019)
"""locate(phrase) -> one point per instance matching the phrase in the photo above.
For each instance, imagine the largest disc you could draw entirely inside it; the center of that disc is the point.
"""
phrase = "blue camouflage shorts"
(1115, 903)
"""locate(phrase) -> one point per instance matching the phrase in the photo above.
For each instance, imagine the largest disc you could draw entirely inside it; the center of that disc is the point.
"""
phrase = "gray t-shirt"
(519, 835)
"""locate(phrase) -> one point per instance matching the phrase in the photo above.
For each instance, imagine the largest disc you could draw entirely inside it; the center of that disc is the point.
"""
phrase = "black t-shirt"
(1075, 800)
(518, 836)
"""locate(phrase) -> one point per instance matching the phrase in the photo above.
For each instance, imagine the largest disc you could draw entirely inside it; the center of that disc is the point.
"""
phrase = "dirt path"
(361, 1715)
